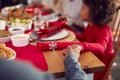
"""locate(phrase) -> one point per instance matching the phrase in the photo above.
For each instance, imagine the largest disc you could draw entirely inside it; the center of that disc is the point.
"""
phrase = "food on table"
(27, 16)
(19, 37)
(20, 40)
(18, 22)
(2, 45)
(4, 33)
(15, 22)
(17, 30)
(2, 54)
(19, 13)
(24, 16)
(5, 36)
(5, 52)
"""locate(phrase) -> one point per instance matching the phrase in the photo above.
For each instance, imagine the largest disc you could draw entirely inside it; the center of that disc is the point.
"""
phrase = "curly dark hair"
(101, 11)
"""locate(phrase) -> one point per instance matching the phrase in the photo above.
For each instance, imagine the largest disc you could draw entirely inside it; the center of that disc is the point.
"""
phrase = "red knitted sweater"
(99, 41)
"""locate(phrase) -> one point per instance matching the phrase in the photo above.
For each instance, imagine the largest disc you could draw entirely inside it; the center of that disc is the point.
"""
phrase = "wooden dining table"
(55, 60)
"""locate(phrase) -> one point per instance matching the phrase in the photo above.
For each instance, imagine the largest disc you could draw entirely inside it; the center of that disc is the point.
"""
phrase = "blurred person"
(70, 8)
(18, 70)
(12, 70)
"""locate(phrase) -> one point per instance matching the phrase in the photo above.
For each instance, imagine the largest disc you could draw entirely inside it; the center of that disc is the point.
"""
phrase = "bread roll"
(2, 46)
(2, 54)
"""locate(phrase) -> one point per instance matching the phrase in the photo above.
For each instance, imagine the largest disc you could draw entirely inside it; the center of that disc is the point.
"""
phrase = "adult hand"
(72, 50)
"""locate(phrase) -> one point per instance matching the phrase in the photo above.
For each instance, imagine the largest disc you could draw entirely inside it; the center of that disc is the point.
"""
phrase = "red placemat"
(32, 54)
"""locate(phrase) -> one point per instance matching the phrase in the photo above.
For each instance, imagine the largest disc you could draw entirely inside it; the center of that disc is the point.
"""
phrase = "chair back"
(116, 39)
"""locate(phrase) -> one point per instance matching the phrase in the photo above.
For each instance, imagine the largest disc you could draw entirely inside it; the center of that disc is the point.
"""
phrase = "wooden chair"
(116, 39)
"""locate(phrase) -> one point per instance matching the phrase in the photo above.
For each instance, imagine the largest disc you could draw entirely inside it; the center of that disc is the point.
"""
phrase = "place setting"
(53, 31)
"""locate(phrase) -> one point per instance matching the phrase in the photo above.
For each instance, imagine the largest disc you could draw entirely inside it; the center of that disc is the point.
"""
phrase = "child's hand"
(72, 50)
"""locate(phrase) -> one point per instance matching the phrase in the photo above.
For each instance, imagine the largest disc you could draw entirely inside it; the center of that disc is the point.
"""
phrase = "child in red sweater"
(97, 37)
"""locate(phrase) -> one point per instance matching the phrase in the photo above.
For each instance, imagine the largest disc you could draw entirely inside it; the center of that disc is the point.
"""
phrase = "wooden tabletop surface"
(55, 60)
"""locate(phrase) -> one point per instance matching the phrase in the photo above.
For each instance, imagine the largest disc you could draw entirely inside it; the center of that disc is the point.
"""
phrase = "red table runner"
(32, 54)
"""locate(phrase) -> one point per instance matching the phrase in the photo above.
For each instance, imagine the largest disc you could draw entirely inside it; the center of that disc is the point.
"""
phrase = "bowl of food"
(5, 36)
(20, 40)
(15, 22)
(16, 30)
(10, 10)
(6, 52)
(29, 16)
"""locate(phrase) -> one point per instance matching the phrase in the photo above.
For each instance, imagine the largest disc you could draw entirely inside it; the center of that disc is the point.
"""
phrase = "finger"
(76, 47)
(64, 51)
(79, 47)
(69, 48)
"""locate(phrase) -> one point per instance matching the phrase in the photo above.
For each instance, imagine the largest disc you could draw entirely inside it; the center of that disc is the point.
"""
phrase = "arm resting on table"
(74, 72)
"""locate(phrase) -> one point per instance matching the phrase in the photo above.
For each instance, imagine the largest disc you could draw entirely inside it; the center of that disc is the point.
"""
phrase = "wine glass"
(39, 22)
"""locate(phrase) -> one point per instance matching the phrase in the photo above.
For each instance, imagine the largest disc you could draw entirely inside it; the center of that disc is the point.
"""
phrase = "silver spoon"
(34, 36)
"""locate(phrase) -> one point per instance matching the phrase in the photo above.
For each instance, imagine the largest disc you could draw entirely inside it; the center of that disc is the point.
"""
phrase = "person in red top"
(98, 36)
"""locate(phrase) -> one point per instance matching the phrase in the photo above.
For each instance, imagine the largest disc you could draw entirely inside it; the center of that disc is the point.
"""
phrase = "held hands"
(72, 50)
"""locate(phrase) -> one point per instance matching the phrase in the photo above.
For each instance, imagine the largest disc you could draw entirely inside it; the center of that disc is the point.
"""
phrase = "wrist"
(71, 59)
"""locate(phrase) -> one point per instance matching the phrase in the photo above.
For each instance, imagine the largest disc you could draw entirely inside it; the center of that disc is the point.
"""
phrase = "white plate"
(60, 35)
(51, 18)
(5, 39)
